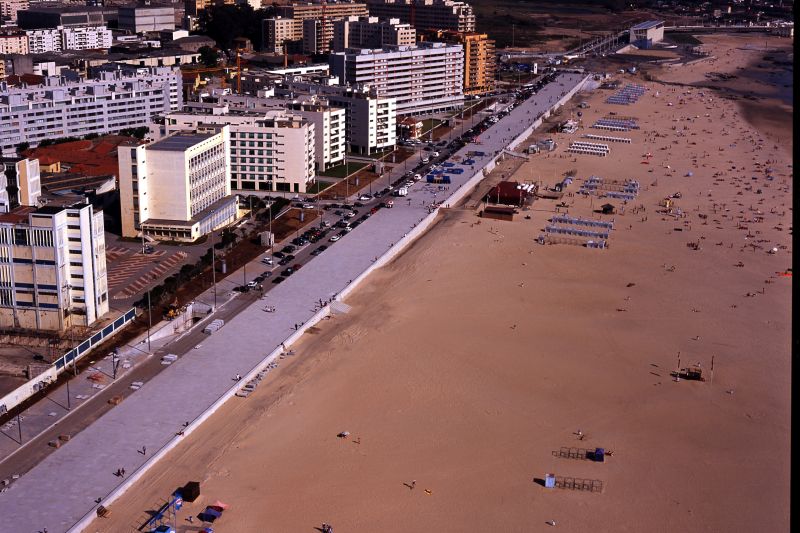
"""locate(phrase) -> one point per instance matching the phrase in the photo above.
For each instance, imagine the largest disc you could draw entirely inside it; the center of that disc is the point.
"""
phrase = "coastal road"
(62, 490)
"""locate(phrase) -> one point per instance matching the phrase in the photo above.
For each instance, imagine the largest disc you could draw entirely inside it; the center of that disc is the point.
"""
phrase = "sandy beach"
(470, 360)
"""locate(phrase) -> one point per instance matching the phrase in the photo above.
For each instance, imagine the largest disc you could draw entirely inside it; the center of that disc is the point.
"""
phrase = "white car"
(308, 206)
(365, 197)
(425, 159)
(417, 177)
(334, 238)
(435, 154)
(326, 224)
(267, 261)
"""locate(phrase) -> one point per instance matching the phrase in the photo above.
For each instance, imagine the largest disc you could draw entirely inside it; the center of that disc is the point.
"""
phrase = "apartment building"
(138, 19)
(426, 14)
(371, 32)
(311, 24)
(270, 150)
(330, 132)
(52, 267)
(13, 43)
(177, 188)
(370, 119)
(121, 96)
(480, 60)
(86, 38)
(425, 78)
(44, 40)
(282, 35)
(9, 8)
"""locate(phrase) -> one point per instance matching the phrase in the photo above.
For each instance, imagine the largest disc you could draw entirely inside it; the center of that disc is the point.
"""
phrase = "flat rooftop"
(180, 141)
(647, 25)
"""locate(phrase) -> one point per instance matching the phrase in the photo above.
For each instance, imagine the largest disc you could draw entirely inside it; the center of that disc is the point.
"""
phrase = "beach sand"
(468, 361)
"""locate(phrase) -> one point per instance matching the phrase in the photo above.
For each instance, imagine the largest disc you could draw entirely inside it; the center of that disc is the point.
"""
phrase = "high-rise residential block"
(177, 188)
(425, 78)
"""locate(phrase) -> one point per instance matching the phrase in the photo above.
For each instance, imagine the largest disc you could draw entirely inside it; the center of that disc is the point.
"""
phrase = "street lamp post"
(149, 307)
(213, 263)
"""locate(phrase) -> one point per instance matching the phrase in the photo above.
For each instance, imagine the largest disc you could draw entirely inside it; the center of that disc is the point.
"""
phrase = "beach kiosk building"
(646, 34)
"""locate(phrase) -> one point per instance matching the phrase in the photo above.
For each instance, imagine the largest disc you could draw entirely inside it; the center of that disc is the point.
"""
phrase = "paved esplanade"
(62, 490)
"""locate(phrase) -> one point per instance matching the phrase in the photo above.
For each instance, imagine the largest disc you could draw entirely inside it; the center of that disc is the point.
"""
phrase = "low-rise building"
(52, 267)
(45, 15)
(138, 19)
(13, 43)
(177, 188)
(120, 97)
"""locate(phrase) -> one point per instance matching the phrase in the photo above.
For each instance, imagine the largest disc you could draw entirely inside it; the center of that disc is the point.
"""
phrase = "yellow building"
(480, 61)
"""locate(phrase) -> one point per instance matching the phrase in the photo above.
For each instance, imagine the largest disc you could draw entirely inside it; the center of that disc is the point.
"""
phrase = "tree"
(208, 56)
(224, 23)
(21, 147)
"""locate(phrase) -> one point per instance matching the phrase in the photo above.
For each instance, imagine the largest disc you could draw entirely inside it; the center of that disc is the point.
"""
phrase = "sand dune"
(473, 357)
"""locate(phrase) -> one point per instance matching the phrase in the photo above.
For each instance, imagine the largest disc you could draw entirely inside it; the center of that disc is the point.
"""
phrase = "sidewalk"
(65, 487)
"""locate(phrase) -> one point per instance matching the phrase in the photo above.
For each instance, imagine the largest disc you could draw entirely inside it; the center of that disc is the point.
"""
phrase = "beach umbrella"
(689, 174)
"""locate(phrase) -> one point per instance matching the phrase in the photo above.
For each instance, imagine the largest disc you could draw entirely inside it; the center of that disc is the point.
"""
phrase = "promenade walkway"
(62, 492)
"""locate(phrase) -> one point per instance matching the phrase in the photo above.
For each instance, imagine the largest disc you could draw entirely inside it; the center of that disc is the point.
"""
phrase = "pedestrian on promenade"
(123, 472)
(413, 483)
(144, 450)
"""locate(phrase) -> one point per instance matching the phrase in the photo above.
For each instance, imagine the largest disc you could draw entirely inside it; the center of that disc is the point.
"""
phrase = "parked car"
(278, 279)
(267, 260)
(334, 238)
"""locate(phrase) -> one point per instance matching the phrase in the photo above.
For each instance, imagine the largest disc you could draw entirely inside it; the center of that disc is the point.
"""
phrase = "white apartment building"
(15, 43)
(371, 32)
(121, 97)
(426, 78)
(271, 150)
(44, 40)
(330, 130)
(86, 38)
(52, 267)
(177, 188)
(371, 120)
